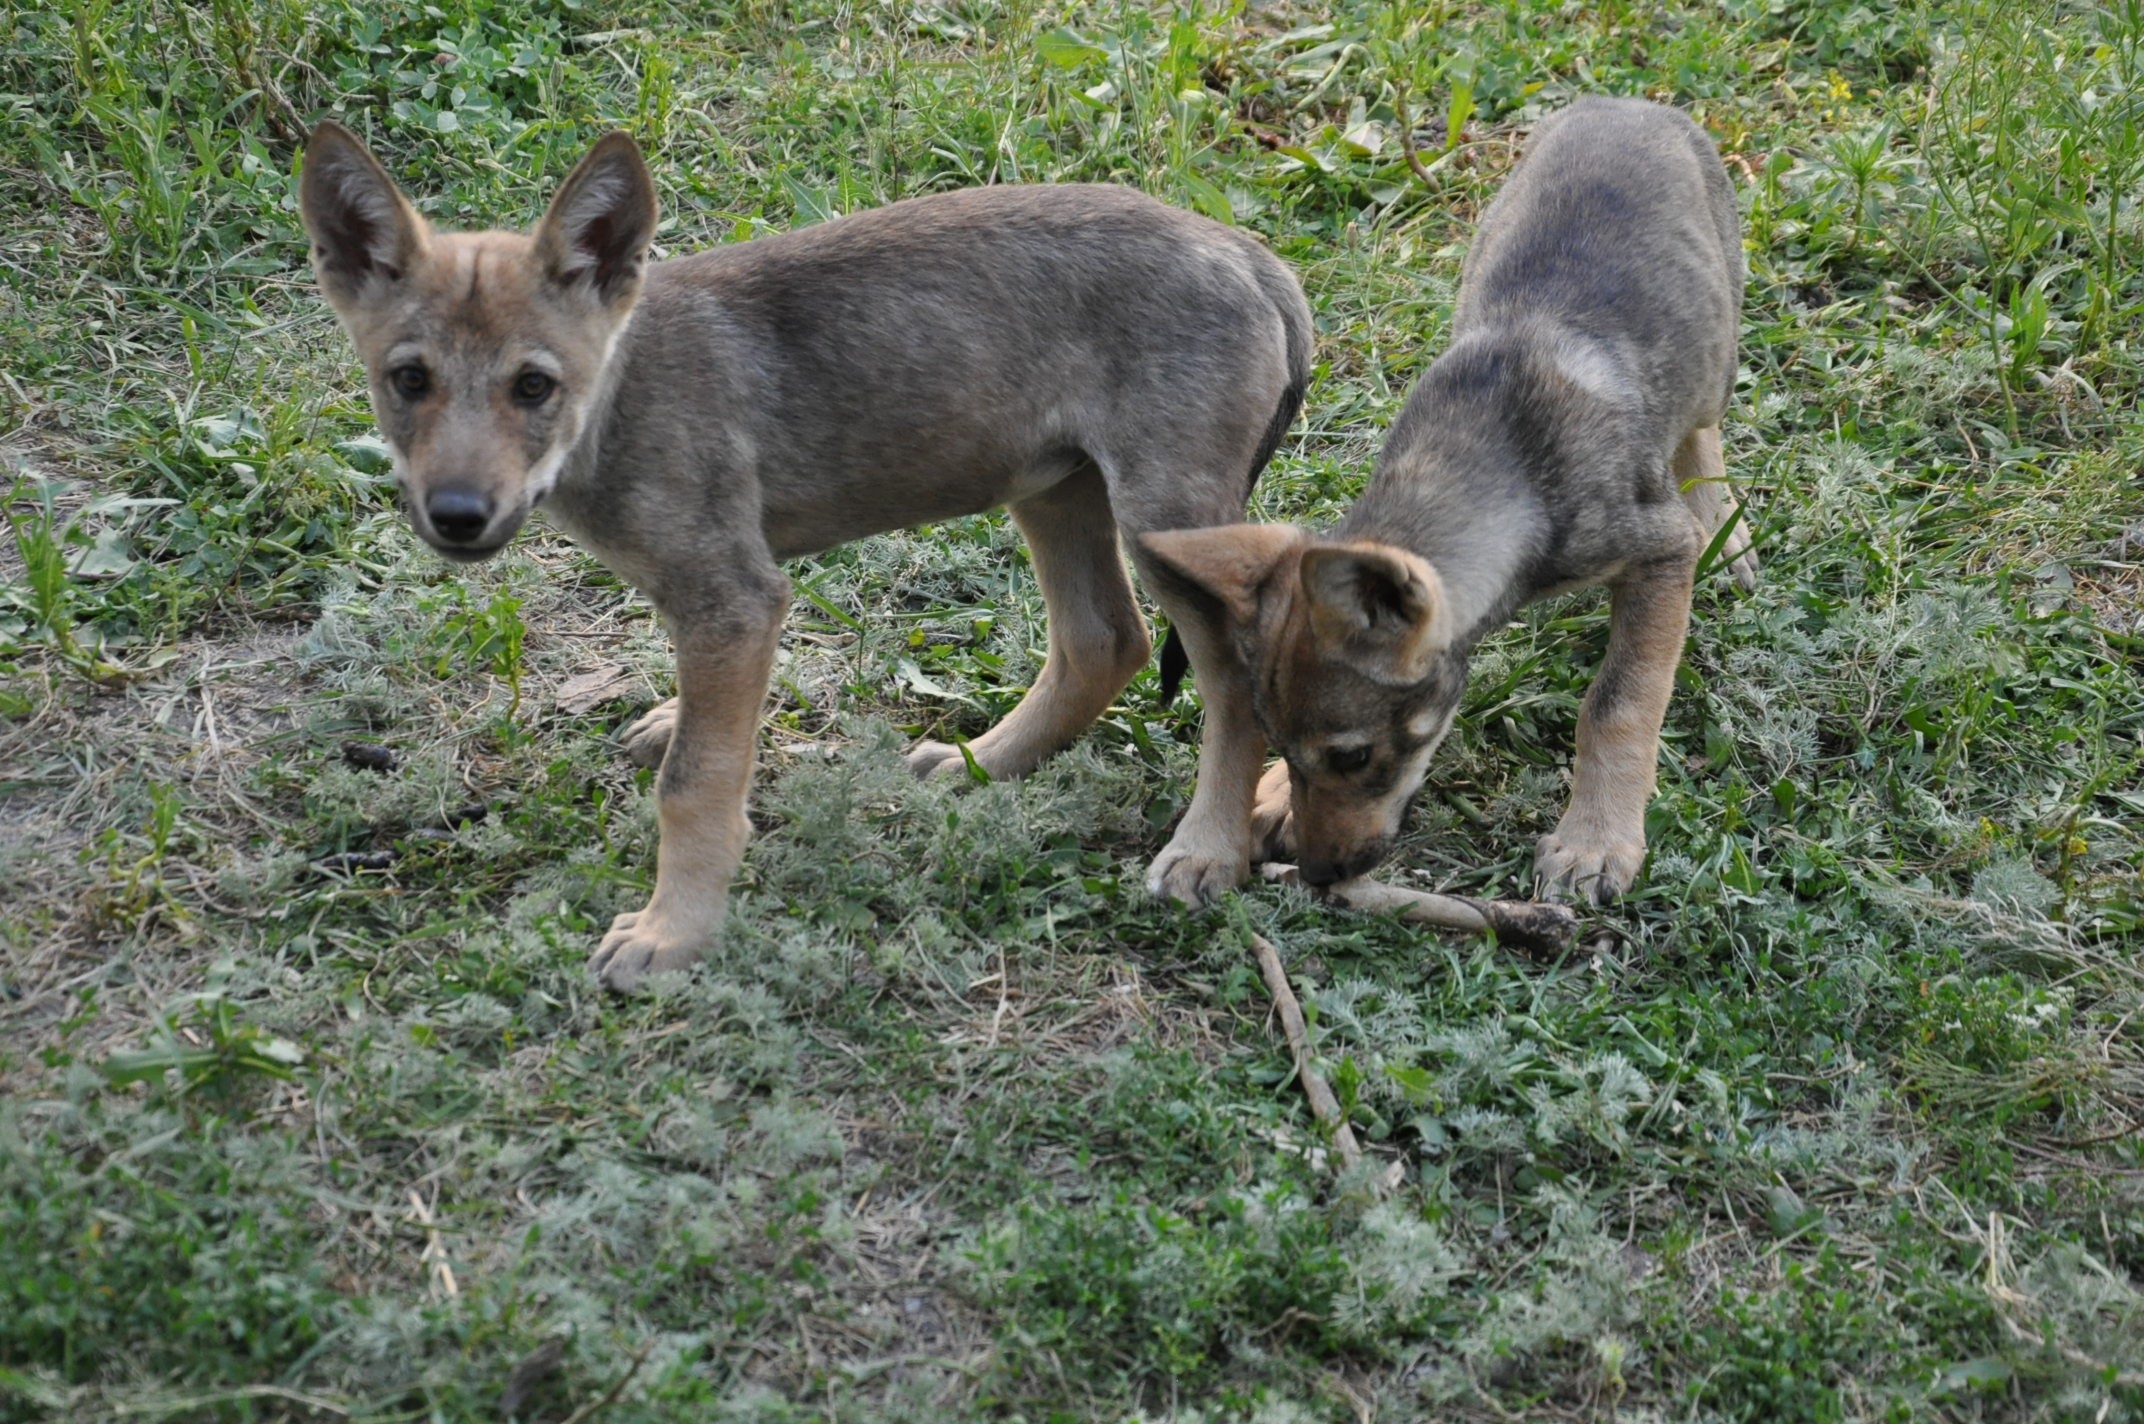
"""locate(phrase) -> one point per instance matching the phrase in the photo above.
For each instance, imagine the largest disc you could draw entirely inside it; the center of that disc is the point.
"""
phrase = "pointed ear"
(1382, 605)
(598, 229)
(363, 230)
(1228, 563)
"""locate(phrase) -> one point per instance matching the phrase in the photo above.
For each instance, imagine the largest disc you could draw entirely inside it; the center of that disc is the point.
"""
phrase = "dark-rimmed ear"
(1383, 607)
(1228, 563)
(363, 230)
(597, 231)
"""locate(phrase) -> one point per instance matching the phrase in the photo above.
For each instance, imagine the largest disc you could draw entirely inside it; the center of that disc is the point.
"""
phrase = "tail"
(1291, 405)
(1298, 336)
(1175, 662)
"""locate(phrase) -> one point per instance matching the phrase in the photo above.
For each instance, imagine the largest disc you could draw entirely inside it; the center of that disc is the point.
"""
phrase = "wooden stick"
(1323, 1105)
(610, 1396)
(1537, 925)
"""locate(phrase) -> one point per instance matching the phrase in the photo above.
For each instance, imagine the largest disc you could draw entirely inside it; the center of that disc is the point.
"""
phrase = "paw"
(1273, 818)
(928, 759)
(1740, 558)
(1596, 866)
(647, 740)
(641, 943)
(1196, 876)
(1737, 553)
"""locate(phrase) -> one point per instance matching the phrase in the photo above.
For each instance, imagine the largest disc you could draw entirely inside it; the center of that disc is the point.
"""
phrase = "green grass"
(1837, 1118)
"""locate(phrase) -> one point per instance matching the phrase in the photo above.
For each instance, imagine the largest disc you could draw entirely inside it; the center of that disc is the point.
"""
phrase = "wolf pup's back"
(1630, 232)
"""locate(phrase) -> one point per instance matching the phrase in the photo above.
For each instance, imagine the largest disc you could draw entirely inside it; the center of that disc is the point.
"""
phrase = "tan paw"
(647, 741)
(639, 944)
(1739, 557)
(928, 759)
(1596, 866)
(1196, 875)
(1273, 818)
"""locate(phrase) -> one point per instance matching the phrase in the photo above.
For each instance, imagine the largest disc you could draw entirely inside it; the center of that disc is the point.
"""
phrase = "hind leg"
(647, 741)
(1211, 850)
(1184, 479)
(1098, 641)
(1701, 471)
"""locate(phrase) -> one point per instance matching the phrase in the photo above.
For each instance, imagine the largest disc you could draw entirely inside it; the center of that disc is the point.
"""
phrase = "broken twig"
(610, 1396)
(1536, 925)
(1323, 1105)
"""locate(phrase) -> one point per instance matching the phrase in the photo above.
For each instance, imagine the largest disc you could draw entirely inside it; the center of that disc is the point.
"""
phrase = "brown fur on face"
(1355, 673)
(486, 351)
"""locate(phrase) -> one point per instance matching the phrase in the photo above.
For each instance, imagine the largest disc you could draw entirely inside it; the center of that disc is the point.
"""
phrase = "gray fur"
(1094, 359)
(938, 357)
(1568, 436)
(1617, 234)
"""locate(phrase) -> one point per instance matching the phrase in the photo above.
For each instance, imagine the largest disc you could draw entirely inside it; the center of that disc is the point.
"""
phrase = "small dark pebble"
(359, 860)
(369, 756)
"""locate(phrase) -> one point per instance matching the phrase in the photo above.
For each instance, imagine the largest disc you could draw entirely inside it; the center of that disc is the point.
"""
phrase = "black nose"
(1320, 873)
(459, 516)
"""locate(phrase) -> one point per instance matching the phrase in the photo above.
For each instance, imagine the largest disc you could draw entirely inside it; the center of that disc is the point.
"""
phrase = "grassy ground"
(1836, 1119)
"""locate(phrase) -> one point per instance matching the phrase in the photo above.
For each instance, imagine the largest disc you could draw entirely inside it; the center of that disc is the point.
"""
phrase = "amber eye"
(533, 387)
(411, 382)
(1344, 760)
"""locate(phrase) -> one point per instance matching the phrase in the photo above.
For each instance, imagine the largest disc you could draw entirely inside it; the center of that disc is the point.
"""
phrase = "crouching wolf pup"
(1570, 436)
(1093, 359)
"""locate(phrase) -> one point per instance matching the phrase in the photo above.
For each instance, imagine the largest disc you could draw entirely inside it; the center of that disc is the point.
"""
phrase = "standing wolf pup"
(1093, 359)
(1569, 436)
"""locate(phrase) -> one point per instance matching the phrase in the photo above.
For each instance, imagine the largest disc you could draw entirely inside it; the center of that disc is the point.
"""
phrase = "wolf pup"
(1570, 436)
(1091, 358)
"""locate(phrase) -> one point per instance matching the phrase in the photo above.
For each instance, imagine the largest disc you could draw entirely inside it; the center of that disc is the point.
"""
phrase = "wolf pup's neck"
(1489, 427)
(603, 400)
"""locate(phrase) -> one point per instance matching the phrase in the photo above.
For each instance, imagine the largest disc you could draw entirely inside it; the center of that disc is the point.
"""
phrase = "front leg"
(1597, 848)
(1273, 817)
(723, 663)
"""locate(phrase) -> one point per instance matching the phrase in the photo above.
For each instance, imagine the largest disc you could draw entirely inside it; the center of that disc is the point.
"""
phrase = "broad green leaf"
(1066, 49)
(1207, 198)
